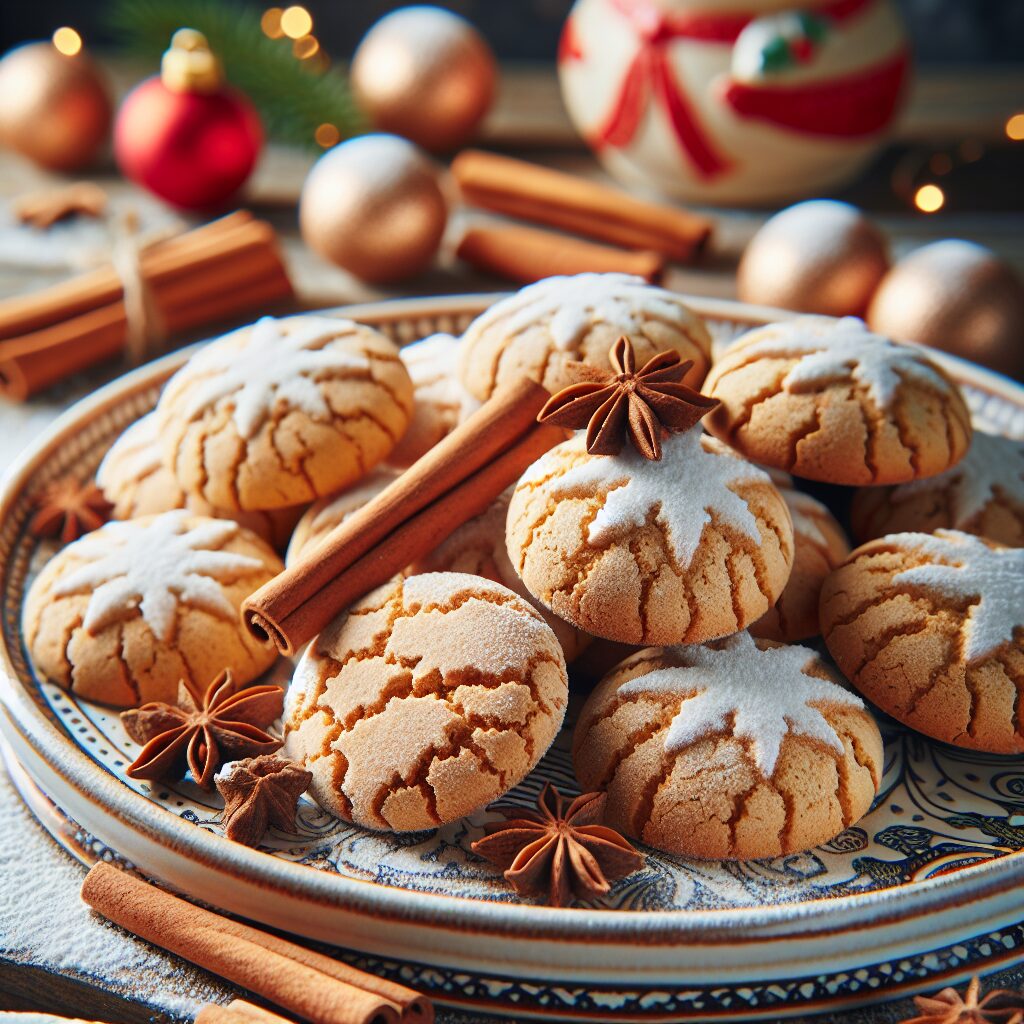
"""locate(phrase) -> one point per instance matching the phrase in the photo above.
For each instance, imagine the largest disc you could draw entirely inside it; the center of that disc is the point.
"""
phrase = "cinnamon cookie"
(982, 494)
(123, 614)
(828, 400)
(694, 546)
(819, 546)
(324, 515)
(136, 482)
(930, 627)
(478, 548)
(440, 400)
(739, 749)
(428, 699)
(284, 412)
(559, 320)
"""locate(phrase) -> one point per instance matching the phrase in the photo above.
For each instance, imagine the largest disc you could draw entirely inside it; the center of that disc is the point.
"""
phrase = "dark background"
(944, 31)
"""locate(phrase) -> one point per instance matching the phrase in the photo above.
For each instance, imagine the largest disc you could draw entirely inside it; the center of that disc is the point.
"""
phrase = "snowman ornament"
(733, 101)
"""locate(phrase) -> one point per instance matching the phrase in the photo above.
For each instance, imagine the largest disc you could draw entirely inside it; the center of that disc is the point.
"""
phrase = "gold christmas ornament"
(958, 297)
(426, 74)
(820, 256)
(374, 206)
(56, 108)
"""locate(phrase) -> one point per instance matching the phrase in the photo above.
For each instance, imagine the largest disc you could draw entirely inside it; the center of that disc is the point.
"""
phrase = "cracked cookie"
(440, 400)
(828, 400)
(284, 412)
(982, 494)
(324, 515)
(136, 482)
(560, 320)
(739, 749)
(819, 546)
(478, 548)
(930, 627)
(125, 613)
(429, 698)
(691, 547)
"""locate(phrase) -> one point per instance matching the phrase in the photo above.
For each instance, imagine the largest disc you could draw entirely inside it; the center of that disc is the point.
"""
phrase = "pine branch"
(292, 99)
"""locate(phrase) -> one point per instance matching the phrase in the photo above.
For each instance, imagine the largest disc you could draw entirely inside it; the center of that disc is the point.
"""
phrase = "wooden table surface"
(54, 955)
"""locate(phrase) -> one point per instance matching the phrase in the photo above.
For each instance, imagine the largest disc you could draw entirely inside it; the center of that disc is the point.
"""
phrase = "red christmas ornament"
(183, 134)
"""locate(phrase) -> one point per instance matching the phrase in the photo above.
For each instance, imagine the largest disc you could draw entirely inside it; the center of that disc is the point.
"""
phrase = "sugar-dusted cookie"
(737, 749)
(136, 482)
(284, 412)
(478, 548)
(431, 697)
(982, 494)
(819, 546)
(125, 613)
(546, 325)
(440, 399)
(930, 627)
(681, 550)
(324, 515)
(828, 400)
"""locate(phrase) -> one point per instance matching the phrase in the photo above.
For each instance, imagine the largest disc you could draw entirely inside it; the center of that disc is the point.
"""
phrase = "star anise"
(203, 730)
(43, 209)
(641, 404)
(561, 850)
(67, 508)
(1000, 1006)
(258, 792)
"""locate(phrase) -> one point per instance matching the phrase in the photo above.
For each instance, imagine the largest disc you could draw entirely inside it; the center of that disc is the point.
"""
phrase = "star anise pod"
(1000, 1006)
(258, 792)
(203, 730)
(641, 404)
(43, 209)
(67, 508)
(561, 850)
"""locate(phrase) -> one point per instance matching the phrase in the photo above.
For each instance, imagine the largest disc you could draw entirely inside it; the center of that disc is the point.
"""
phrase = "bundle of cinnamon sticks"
(204, 276)
(638, 237)
(310, 985)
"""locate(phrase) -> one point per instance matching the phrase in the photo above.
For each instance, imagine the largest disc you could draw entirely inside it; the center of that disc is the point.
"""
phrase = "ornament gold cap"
(189, 65)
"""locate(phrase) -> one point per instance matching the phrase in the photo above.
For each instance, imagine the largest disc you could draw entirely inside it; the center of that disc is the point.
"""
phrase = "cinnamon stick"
(521, 189)
(525, 255)
(453, 482)
(309, 984)
(238, 1011)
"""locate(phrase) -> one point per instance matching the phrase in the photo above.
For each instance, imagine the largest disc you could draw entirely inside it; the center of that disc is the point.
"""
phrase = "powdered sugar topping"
(758, 695)
(685, 491)
(136, 453)
(277, 363)
(962, 567)
(572, 305)
(830, 351)
(992, 467)
(156, 566)
(433, 367)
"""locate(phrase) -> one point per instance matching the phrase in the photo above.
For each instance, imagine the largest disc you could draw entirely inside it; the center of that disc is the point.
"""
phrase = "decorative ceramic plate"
(923, 891)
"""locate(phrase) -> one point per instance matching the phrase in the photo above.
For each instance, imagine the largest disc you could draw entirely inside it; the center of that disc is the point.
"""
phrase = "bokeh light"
(1015, 128)
(929, 198)
(305, 47)
(67, 41)
(271, 22)
(296, 22)
(327, 135)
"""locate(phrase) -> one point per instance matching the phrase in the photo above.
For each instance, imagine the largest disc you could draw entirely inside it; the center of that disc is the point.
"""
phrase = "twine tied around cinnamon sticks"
(452, 483)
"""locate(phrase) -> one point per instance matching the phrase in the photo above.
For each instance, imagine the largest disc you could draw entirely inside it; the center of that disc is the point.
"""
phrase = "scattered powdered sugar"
(806, 513)
(275, 362)
(993, 465)
(840, 350)
(136, 453)
(964, 568)
(689, 486)
(436, 589)
(758, 695)
(574, 304)
(433, 367)
(155, 566)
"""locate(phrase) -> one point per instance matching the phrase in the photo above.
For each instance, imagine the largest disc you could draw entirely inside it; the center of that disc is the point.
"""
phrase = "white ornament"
(992, 467)
(574, 304)
(830, 351)
(156, 567)
(758, 695)
(688, 487)
(277, 363)
(964, 568)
